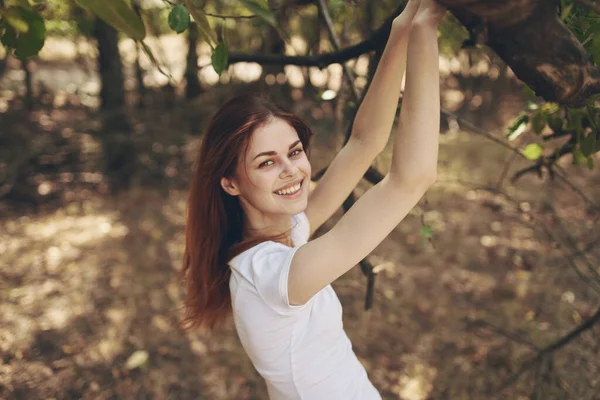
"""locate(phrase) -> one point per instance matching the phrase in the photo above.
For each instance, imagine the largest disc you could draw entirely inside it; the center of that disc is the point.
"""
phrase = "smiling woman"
(269, 177)
(251, 213)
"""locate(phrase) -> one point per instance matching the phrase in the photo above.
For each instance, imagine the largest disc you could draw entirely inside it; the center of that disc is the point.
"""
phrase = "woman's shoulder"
(257, 252)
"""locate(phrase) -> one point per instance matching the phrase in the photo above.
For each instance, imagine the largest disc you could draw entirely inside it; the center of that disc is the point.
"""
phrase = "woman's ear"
(229, 186)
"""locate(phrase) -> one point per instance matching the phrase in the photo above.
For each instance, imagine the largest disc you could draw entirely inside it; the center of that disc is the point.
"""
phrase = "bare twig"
(505, 169)
(563, 176)
(568, 254)
(573, 244)
(588, 324)
(337, 46)
(373, 42)
(477, 323)
(475, 129)
(230, 16)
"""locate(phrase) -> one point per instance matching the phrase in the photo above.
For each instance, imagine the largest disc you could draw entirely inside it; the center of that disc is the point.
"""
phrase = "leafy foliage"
(552, 121)
(580, 126)
(118, 14)
(219, 58)
(179, 18)
(23, 30)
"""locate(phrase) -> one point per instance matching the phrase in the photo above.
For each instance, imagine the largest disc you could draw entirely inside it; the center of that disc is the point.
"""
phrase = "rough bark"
(530, 37)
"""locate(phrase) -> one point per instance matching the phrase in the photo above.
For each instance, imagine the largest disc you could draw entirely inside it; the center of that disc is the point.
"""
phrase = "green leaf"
(219, 58)
(179, 18)
(205, 29)
(588, 144)
(555, 122)
(337, 4)
(426, 231)
(578, 157)
(518, 127)
(117, 14)
(565, 11)
(594, 49)
(590, 163)
(575, 120)
(538, 123)
(261, 9)
(14, 19)
(529, 92)
(9, 39)
(533, 151)
(26, 44)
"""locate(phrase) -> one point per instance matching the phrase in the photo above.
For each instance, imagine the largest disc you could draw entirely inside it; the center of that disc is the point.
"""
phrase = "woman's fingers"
(430, 12)
(406, 16)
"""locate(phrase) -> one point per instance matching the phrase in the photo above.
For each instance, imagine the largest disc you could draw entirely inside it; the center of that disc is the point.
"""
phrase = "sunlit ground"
(90, 296)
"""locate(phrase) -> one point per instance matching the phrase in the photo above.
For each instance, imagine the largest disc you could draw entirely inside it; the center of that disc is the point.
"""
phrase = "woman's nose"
(288, 169)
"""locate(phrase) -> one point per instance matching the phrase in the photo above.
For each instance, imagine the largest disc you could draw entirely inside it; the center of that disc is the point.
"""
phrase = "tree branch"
(336, 45)
(530, 37)
(320, 60)
(480, 323)
(553, 347)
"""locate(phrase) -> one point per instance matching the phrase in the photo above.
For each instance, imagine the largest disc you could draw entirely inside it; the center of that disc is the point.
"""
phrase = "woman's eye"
(265, 164)
(296, 152)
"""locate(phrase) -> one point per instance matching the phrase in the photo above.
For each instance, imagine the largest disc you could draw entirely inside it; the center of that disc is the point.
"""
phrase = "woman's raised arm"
(371, 127)
(413, 171)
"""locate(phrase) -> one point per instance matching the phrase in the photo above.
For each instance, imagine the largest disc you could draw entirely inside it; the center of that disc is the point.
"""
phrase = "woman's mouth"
(291, 191)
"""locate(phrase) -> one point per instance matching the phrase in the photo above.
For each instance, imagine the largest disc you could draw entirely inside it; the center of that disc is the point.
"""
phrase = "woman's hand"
(429, 14)
(403, 21)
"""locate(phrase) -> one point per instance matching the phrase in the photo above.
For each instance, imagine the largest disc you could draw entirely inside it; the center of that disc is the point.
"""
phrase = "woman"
(251, 212)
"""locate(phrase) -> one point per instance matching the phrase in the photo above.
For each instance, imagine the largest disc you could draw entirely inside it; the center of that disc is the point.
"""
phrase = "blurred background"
(490, 288)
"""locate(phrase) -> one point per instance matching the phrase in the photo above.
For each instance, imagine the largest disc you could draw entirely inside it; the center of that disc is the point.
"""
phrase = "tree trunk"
(529, 36)
(192, 87)
(273, 44)
(139, 72)
(112, 95)
(119, 155)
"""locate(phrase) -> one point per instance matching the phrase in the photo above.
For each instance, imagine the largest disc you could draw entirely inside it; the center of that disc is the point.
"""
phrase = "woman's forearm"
(416, 147)
(375, 115)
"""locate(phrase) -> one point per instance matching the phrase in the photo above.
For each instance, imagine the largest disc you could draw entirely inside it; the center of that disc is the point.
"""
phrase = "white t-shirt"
(302, 352)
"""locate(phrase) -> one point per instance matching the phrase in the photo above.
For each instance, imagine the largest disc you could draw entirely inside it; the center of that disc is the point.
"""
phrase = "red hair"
(214, 218)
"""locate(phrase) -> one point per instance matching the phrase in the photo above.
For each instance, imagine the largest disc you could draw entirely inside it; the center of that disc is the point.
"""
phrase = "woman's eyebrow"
(272, 153)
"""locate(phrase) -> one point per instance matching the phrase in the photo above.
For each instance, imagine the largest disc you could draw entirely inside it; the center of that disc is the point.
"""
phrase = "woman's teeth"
(291, 190)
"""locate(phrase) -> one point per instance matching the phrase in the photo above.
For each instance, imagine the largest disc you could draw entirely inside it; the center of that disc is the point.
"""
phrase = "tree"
(192, 87)
(110, 67)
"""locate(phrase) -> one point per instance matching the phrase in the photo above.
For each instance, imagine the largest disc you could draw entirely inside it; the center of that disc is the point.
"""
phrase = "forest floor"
(90, 297)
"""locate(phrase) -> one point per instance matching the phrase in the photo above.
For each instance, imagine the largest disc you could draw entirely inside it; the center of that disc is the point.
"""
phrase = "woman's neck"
(263, 227)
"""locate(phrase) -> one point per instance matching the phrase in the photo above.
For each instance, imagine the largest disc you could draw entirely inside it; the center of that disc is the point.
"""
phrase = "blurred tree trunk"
(139, 78)
(139, 72)
(119, 156)
(192, 87)
(273, 44)
(110, 68)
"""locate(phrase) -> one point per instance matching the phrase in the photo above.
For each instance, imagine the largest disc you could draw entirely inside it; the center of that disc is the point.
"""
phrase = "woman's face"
(274, 175)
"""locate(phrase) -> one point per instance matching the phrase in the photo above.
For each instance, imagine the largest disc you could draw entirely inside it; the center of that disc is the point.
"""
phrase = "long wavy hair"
(215, 218)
